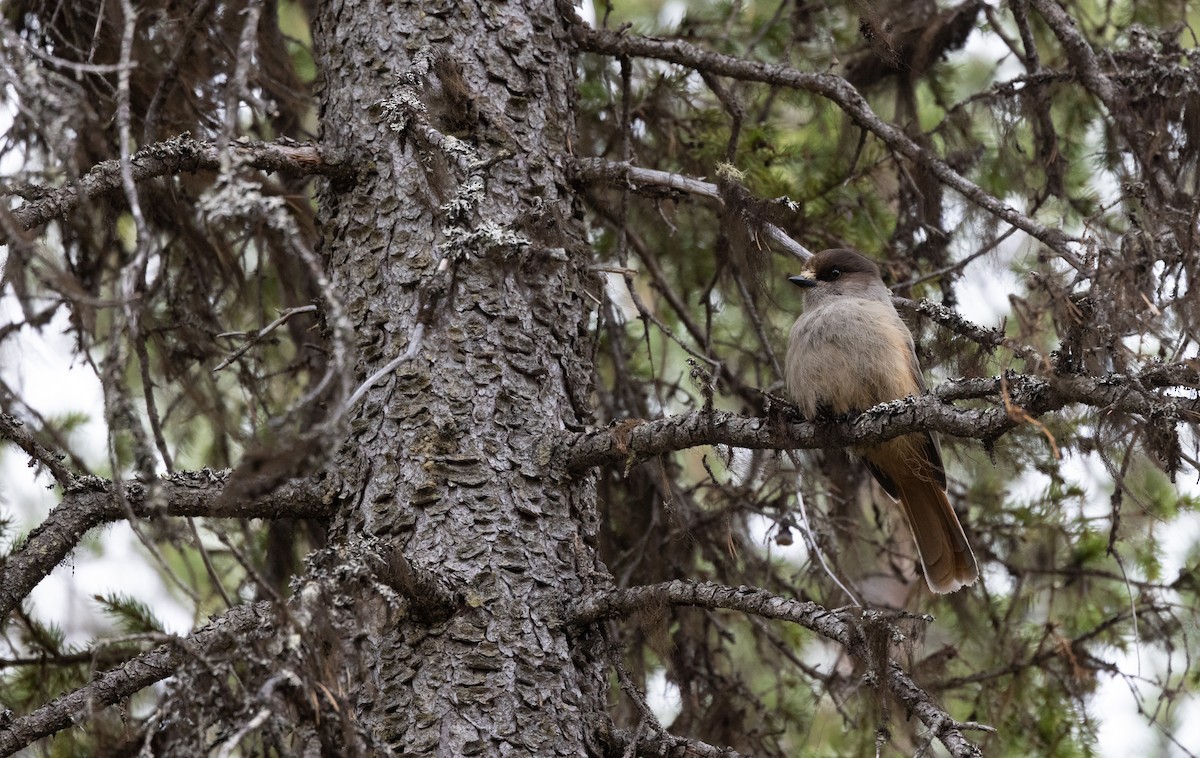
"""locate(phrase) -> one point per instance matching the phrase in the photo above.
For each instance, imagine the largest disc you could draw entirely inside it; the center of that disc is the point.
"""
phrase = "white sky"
(39, 368)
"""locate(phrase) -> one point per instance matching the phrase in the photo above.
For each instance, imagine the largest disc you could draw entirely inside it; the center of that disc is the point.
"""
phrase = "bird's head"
(831, 273)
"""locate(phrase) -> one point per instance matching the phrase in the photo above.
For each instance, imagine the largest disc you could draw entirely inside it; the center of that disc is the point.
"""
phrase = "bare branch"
(835, 89)
(833, 625)
(257, 336)
(175, 156)
(605, 604)
(652, 743)
(1085, 61)
(636, 178)
(10, 429)
(92, 502)
(1133, 394)
(240, 625)
(414, 346)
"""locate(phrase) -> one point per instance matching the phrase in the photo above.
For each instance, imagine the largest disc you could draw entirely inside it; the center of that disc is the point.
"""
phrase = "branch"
(636, 178)
(93, 502)
(650, 742)
(640, 179)
(829, 624)
(429, 598)
(174, 156)
(10, 429)
(637, 440)
(984, 336)
(254, 339)
(1084, 60)
(605, 604)
(833, 88)
(117, 684)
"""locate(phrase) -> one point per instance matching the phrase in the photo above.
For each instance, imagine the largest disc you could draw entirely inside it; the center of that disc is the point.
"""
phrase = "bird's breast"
(849, 354)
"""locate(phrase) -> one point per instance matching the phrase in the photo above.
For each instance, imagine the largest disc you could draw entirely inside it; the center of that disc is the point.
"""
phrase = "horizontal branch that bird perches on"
(843, 627)
(93, 502)
(241, 624)
(632, 441)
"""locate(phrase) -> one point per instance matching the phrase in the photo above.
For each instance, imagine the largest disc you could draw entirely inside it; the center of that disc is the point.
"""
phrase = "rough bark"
(446, 461)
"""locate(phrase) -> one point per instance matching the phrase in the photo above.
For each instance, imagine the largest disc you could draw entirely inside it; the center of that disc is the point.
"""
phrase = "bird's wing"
(881, 476)
(930, 445)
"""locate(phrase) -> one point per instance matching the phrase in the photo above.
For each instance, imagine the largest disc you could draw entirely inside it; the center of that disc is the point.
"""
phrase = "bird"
(849, 351)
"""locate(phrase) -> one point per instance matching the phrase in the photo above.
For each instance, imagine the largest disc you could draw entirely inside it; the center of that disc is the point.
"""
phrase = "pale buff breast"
(849, 354)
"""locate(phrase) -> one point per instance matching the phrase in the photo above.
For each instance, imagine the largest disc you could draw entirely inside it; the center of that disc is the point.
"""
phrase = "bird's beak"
(805, 279)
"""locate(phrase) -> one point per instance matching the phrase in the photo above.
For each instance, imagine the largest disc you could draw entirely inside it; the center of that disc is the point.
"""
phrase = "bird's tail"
(945, 554)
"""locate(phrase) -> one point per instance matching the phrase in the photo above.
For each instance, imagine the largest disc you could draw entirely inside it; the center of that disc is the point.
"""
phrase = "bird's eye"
(834, 274)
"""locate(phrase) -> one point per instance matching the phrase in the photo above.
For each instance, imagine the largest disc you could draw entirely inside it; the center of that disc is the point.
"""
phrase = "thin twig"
(841, 93)
(10, 429)
(414, 346)
(257, 336)
(810, 536)
(243, 624)
(958, 265)
(637, 177)
(838, 626)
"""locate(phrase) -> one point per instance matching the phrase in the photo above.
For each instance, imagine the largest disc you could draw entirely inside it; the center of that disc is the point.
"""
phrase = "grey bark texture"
(446, 460)
(434, 622)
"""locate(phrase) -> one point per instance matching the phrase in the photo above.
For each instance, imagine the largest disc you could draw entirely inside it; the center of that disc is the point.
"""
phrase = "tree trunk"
(446, 466)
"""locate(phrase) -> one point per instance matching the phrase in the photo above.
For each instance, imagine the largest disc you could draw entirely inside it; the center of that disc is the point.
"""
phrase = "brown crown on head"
(826, 262)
